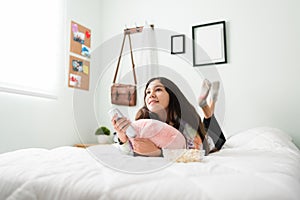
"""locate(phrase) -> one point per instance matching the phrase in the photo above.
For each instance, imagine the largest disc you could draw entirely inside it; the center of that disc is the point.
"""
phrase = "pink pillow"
(160, 133)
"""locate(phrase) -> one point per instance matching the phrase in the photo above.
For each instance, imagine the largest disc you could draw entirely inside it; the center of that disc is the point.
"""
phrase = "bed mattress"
(261, 163)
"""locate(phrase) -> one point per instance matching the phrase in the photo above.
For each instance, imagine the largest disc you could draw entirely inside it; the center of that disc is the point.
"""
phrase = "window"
(32, 46)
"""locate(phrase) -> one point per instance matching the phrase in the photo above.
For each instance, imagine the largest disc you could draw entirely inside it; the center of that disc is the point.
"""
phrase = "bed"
(259, 163)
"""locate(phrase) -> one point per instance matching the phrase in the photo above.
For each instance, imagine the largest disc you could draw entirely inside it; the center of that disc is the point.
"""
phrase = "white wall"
(261, 77)
(260, 80)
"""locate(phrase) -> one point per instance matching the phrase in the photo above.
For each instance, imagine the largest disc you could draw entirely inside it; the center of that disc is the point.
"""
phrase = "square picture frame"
(209, 44)
(178, 44)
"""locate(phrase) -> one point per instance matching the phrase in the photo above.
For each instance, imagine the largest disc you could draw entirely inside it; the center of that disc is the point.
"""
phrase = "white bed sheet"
(243, 169)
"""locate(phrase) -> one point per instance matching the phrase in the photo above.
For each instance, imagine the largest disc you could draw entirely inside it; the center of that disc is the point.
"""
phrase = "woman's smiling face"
(157, 98)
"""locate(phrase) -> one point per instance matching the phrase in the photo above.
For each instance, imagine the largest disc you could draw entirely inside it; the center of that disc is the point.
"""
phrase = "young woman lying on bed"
(169, 120)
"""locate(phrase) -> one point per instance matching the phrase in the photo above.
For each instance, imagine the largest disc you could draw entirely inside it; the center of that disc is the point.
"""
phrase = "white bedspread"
(260, 163)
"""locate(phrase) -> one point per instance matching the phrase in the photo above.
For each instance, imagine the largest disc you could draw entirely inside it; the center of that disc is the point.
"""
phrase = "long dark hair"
(180, 110)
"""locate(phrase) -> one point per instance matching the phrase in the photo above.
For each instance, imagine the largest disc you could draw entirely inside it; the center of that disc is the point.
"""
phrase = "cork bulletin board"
(80, 39)
(79, 65)
(79, 73)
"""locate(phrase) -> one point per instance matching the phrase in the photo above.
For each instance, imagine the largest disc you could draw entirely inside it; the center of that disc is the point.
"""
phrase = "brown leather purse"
(124, 94)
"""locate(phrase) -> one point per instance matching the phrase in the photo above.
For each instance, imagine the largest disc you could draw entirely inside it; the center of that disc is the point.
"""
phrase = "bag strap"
(131, 54)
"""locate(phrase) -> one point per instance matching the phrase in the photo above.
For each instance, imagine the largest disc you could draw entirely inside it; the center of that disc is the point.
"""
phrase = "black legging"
(214, 130)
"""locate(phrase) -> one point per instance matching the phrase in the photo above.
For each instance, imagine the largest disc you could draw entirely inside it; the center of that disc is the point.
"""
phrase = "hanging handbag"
(124, 94)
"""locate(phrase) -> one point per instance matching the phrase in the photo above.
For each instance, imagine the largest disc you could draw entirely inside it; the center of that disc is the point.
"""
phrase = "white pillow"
(260, 138)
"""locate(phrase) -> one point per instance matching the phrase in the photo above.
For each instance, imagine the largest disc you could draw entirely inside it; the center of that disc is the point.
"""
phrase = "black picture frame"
(209, 44)
(178, 44)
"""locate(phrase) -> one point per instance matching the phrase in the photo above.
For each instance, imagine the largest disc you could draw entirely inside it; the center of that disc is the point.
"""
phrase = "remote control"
(130, 132)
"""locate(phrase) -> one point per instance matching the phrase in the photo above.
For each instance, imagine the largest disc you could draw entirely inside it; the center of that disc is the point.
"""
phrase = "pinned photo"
(75, 80)
(77, 65)
(85, 51)
(79, 37)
